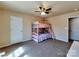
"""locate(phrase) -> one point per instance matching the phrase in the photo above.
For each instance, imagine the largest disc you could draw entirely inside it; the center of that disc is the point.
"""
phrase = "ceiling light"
(43, 13)
(75, 9)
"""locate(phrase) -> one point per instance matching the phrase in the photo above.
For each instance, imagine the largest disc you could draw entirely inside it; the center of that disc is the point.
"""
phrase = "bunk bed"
(41, 31)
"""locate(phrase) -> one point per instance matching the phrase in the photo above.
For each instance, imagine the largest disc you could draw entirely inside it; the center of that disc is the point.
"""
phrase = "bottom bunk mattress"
(42, 37)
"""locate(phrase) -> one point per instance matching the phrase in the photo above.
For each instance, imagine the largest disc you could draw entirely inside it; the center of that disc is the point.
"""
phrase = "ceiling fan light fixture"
(43, 13)
(76, 9)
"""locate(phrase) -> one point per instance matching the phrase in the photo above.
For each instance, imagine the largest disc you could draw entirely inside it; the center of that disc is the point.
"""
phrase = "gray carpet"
(48, 48)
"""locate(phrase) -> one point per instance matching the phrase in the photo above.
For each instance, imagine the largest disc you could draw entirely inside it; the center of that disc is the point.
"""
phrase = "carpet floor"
(47, 48)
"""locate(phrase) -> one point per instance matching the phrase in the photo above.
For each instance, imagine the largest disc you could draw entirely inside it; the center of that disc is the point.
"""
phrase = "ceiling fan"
(44, 10)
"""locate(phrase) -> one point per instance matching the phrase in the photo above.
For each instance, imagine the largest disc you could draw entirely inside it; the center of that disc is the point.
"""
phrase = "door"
(74, 28)
(16, 29)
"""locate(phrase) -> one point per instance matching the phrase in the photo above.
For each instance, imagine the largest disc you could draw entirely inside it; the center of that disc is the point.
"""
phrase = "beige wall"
(5, 26)
(60, 25)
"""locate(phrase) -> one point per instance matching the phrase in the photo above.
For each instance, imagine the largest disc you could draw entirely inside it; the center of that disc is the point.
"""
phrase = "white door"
(16, 29)
(74, 28)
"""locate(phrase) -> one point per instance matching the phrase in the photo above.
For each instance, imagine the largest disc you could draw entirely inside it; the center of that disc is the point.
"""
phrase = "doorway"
(16, 28)
(74, 28)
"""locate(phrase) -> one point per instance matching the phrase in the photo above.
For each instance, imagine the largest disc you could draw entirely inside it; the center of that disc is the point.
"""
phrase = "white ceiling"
(58, 7)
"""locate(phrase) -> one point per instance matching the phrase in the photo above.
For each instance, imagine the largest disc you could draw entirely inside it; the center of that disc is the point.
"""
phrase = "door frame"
(69, 19)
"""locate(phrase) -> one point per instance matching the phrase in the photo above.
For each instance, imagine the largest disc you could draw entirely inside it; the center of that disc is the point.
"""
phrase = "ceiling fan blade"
(37, 11)
(40, 7)
(43, 9)
(47, 12)
(48, 9)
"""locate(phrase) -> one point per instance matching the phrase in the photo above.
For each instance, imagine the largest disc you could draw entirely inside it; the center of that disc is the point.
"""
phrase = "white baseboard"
(5, 45)
(11, 44)
(61, 39)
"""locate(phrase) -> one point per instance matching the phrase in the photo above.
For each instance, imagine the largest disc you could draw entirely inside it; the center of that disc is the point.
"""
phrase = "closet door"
(16, 24)
(74, 28)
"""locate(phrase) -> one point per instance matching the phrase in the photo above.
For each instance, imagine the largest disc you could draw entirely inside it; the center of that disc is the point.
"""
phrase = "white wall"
(60, 25)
